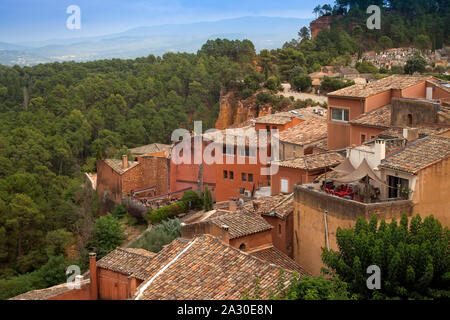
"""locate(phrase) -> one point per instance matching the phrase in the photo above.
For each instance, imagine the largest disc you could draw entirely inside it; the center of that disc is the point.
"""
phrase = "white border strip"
(149, 282)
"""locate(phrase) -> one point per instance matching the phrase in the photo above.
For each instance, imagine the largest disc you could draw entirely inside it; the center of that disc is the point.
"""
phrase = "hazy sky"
(28, 20)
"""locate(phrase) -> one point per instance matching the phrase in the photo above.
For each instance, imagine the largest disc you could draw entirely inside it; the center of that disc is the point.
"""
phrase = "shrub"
(207, 200)
(119, 211)
(301, 82)
(108, 235)
(159, 236)
(135, 209)
(273, 83)
(192, 200)
(413, 258)
(166, 212)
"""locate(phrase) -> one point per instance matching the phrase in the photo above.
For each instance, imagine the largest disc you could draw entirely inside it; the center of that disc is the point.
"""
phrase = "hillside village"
(380, 148)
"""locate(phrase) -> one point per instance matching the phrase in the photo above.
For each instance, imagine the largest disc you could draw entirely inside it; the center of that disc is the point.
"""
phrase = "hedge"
(167, 212)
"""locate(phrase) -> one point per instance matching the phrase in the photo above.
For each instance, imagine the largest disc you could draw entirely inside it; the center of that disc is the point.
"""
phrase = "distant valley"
(264, 32)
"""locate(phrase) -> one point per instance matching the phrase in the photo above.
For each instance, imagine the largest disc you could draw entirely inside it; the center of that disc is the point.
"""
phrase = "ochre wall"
(226, 188)
(378, 100)
(287, 151)
(431, 194)
(114, 285)
(282, 240)
(309, 226)
(186, 175)
(415, 91)
(338, 135)
(252, 240)
(294, 176)
(356, 132)
(83, 293)
(339, 132)
(109, 180)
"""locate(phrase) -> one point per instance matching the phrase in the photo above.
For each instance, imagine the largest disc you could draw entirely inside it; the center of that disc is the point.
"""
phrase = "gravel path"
(287, 92)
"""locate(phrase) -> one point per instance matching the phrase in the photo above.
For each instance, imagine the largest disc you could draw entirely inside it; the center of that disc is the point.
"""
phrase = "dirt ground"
(300, 95)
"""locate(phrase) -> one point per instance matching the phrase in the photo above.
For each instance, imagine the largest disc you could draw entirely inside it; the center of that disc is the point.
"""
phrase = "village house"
(302, 170)
(193, 173)
(154, 149)
(119, 179)
(303, 138)
(251, 226)
(241, 159)
(278, 212)
(411, 180)
(348, 107)
(246, 232)
(202, 268)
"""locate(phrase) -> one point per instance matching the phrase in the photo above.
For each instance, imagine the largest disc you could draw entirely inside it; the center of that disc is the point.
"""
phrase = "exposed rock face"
(234, 112)
(321, 23)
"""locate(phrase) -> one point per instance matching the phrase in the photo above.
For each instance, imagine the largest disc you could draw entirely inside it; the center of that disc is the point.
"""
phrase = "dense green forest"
(57, 119)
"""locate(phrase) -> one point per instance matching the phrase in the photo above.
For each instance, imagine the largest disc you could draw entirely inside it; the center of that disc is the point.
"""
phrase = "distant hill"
(264, 32)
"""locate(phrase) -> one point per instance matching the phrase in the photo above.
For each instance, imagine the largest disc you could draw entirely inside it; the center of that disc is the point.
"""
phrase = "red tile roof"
(205, 268)
(307, 132)
(418, 154)
(375, 87)
(314, 161)
(379, 118)
(278, 205)
(240, 224)
(127, 261)
(275, 256)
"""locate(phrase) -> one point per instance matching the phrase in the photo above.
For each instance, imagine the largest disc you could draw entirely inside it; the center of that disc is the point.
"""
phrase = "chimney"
(133, 285)
(411, 134)
(93, 275)
(225, 234)
(232, 205)
(125, 161)
(380, 151)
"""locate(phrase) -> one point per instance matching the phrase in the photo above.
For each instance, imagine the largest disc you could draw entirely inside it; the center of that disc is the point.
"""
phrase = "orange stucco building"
(347, 104)
(117, 179)
(302, 170)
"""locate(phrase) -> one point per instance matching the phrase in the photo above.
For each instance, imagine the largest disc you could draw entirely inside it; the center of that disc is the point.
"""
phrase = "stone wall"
(309, 222)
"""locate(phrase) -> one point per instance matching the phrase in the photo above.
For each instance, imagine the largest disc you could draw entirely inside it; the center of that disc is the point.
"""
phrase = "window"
(242, 247)
(247, 152)
(339, 114)
(231, 175)
(363, 138)
(268, 128)
(274, 128)
(242, 191)
(250, 177)
(396, 186)
(284, 186)
(410, 120)
(225, 174)
(244, 177)
(228, 150)
(279, 228)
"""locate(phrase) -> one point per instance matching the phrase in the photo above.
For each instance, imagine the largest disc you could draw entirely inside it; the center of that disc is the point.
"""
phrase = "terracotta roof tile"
(206, 269)
(380, 118)
(117, 166)
(127, 261)
(314, 161)
(375, 87)
(241, 224)
(150, 148)
(47, 293)
(418, 154)
(306, 132)
(278, 205)
(275, 256)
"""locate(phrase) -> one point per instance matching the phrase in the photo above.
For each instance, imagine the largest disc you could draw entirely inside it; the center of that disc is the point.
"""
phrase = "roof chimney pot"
(125, 161)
